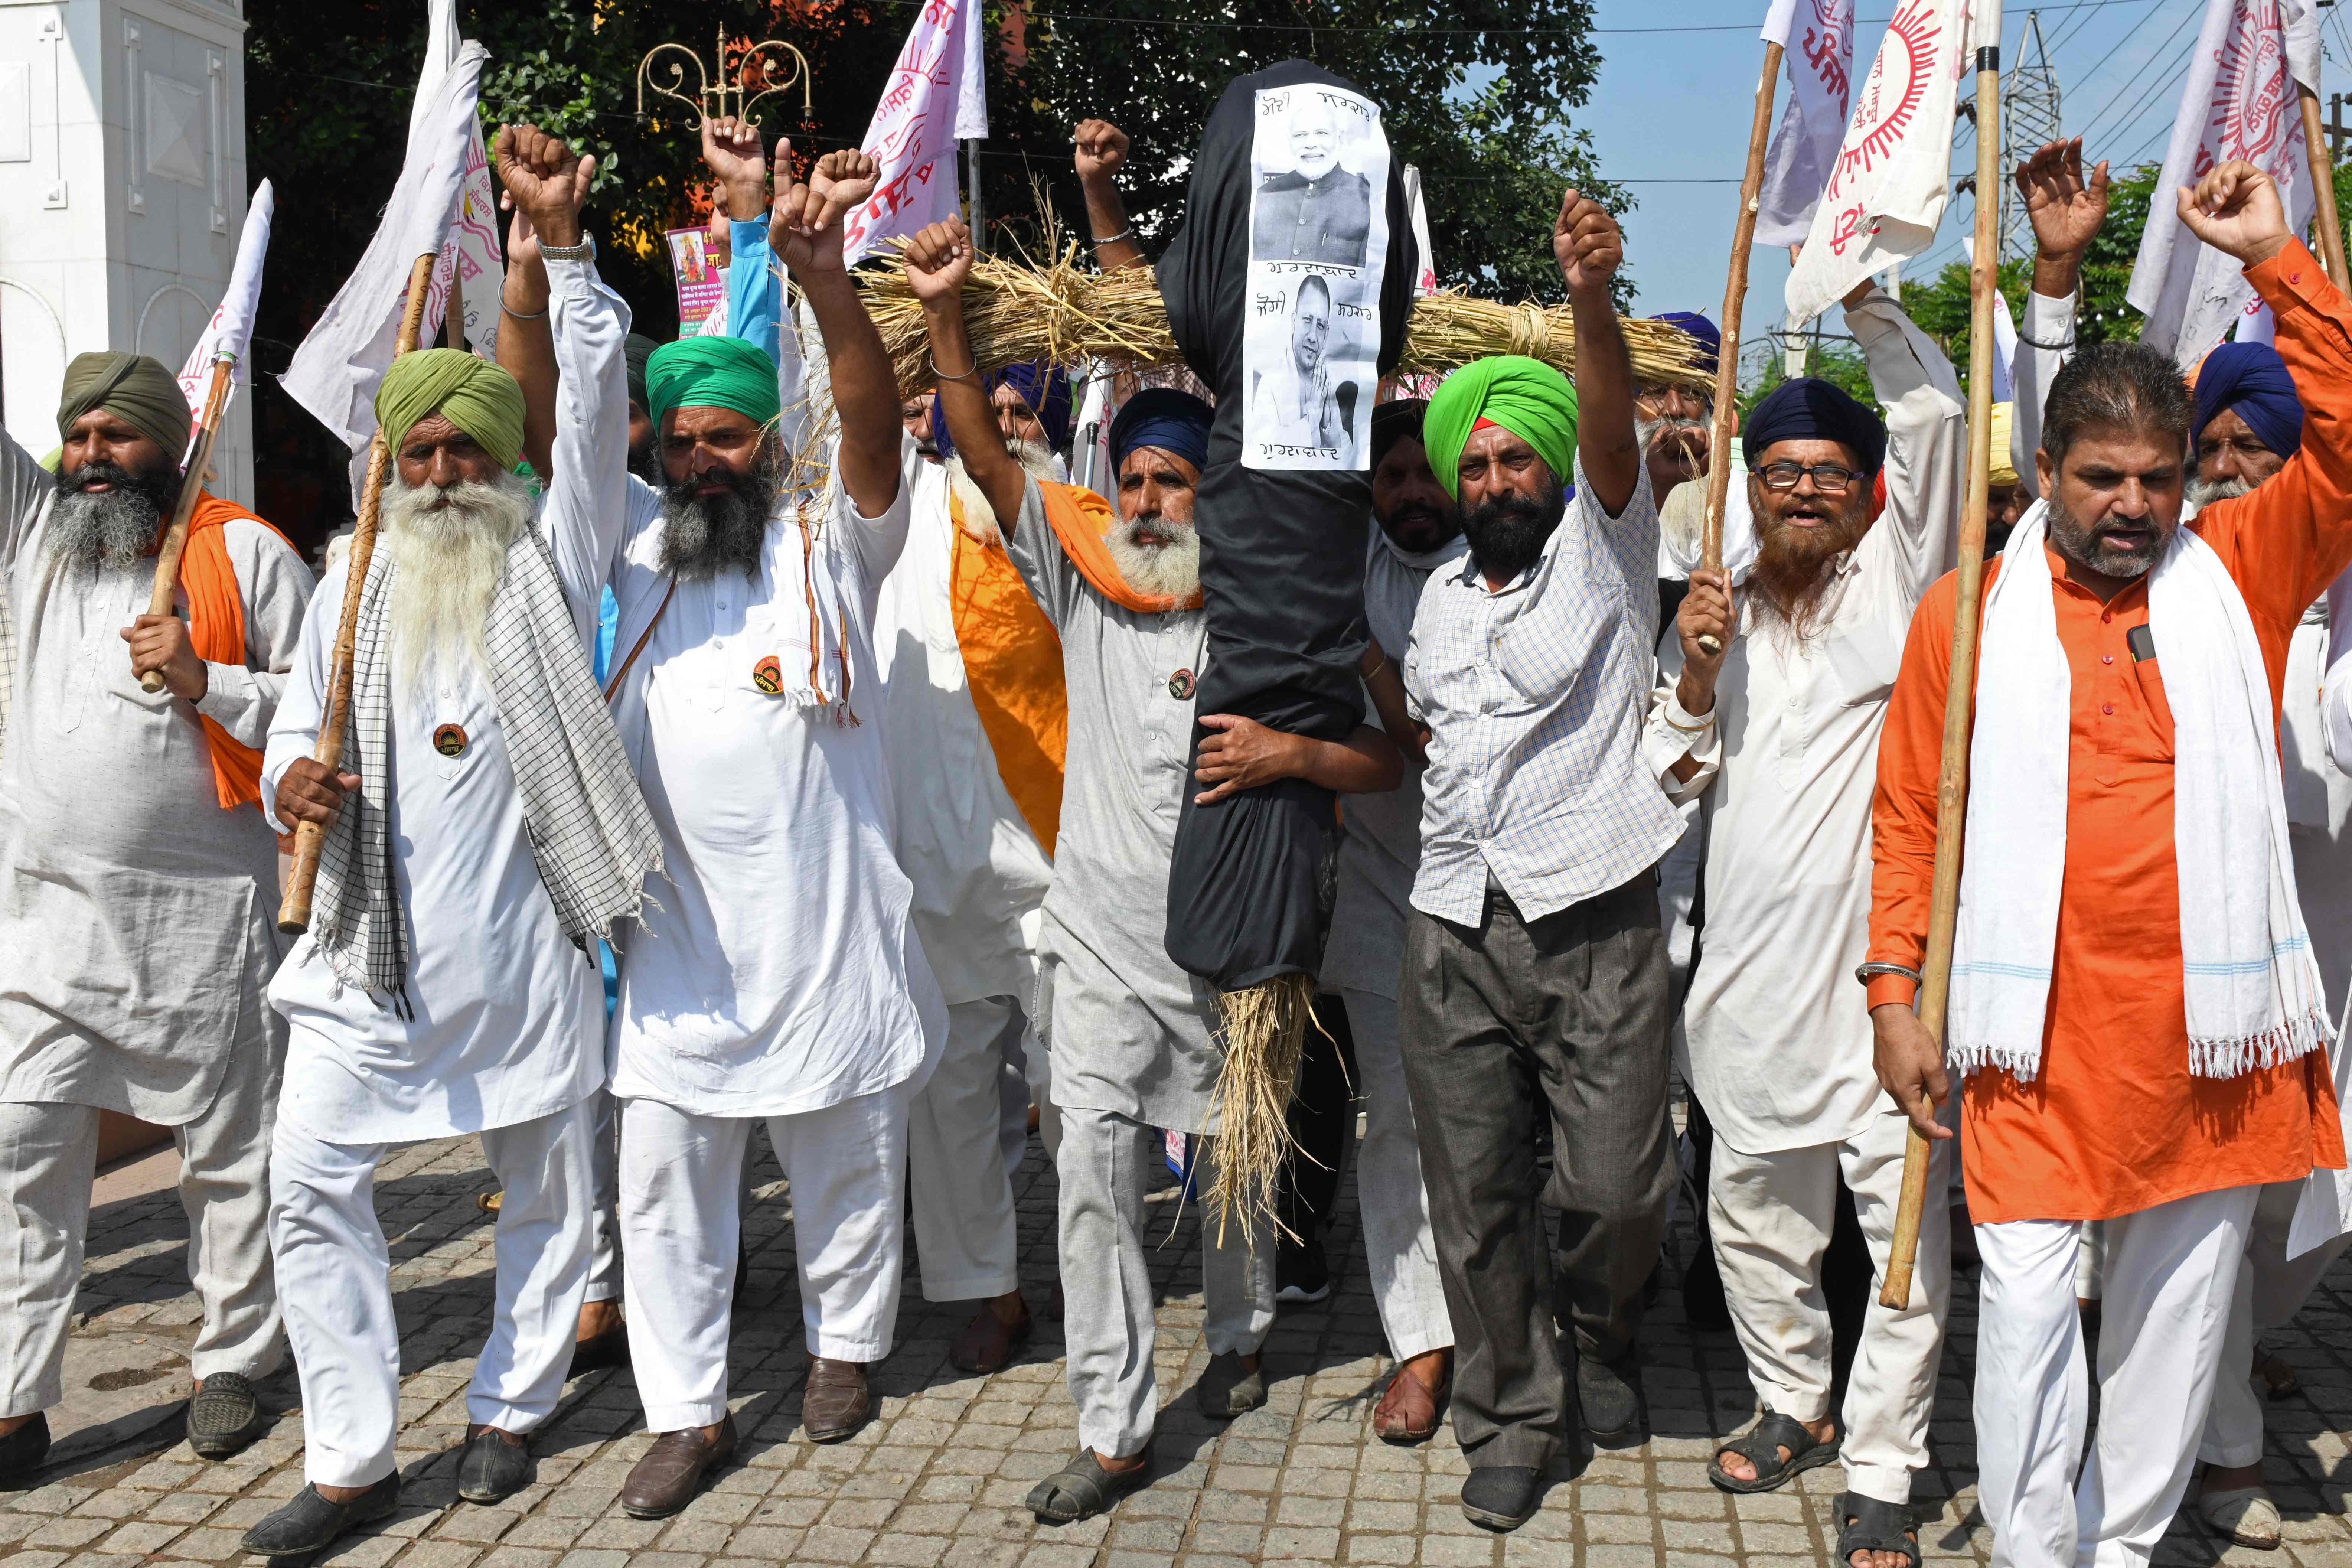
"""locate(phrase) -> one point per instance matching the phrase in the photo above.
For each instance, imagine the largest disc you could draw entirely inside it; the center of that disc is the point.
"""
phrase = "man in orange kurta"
(2112, 1113)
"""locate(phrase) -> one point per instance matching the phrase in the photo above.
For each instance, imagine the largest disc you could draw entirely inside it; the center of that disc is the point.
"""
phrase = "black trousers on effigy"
(1507, 1026)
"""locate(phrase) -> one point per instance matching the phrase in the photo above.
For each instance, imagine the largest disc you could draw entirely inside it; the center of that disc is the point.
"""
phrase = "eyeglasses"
(1830, 479)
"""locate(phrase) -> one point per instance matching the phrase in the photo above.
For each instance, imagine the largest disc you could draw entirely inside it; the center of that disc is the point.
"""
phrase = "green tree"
(1834, 361)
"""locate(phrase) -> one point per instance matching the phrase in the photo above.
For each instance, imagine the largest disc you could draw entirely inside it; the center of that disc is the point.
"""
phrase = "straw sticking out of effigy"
(1067, 315)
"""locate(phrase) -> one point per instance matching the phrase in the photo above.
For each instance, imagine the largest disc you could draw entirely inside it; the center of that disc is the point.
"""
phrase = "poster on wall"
(701, 286)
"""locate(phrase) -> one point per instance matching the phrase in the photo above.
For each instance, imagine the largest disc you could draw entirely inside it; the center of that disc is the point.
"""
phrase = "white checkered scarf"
(590, 834)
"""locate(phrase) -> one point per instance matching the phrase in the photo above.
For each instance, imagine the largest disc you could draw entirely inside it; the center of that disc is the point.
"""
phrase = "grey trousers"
(1107, 1307)
(48, 1153)
(1503, 1025)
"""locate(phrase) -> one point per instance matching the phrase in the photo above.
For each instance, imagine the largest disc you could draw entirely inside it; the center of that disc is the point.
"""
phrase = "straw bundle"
(1061, 314)
(1263, 1034)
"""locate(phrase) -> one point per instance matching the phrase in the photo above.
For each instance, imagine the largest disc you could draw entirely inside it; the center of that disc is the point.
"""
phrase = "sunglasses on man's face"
(1830, 479)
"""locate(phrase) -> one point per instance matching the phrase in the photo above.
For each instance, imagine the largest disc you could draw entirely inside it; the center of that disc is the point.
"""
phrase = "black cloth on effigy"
(1287, 289)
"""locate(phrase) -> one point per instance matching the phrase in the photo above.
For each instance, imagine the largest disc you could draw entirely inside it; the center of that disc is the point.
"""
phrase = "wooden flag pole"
(2323, 189)
(1735, 295)
(1960, 685)
(191, 485)
(294, 913)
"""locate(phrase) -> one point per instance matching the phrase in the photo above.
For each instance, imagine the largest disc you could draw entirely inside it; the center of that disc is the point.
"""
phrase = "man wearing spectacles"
(1776, 732)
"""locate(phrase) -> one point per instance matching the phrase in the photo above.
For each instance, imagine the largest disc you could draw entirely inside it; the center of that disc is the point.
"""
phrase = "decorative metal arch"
(780, 66)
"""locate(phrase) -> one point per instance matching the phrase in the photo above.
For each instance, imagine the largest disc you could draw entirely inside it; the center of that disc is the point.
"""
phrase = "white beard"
(450, 546)
(1171, 570)
(979, 519)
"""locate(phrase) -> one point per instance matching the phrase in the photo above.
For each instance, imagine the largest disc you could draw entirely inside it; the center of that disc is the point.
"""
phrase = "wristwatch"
(583, 251)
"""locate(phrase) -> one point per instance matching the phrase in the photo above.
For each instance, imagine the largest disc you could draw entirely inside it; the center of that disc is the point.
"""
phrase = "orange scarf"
(217, 630)
(1013, 665)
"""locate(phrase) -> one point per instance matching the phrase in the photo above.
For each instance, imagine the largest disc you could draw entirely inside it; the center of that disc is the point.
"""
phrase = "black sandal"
(1762, 1448)
(1867, 1524)
(1083, 1488)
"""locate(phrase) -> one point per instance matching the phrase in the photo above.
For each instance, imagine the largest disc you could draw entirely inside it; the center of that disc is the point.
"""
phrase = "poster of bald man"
(1318, 247)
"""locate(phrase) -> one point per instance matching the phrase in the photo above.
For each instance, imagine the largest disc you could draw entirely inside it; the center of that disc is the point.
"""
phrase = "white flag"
(1425, 281)
(336, 370)
(1820, 45)
(472, 254)
(2238, 102)
(230, 330)
(936, 93)
(1886, 191)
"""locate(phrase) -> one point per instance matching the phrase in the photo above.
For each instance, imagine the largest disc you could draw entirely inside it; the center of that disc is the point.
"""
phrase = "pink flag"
(937, 93)
(1819, 37)
(2238, 102)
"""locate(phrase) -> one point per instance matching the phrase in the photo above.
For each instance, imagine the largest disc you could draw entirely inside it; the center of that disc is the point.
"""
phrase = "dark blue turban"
(2252, 379)
(1045, 388)
(1710, 341)
(1162, 416)
(1811, 409)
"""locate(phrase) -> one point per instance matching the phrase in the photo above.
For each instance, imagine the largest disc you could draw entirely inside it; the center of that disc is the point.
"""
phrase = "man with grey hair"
(138, 932)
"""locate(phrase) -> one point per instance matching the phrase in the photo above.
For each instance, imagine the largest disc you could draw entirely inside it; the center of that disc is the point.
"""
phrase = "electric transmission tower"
(2029, 115)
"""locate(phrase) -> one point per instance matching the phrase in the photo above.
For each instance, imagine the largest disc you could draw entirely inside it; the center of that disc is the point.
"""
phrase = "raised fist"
(547, 181)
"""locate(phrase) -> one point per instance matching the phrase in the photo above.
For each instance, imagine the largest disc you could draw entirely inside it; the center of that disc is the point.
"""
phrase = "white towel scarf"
(2251, 986)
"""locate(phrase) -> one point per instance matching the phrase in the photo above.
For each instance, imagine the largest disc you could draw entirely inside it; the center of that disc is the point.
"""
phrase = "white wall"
(123, 190)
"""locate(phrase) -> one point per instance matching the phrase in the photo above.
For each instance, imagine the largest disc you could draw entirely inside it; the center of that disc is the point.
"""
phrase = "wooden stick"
(1735, 295)
(1960, 685)
(2323, 189)
(294, 912)
(191, 485)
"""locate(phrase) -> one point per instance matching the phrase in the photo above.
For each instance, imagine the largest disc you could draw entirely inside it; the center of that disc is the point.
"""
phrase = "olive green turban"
(476, 396)
(135, 389)
(1525, 396)
(713, 372)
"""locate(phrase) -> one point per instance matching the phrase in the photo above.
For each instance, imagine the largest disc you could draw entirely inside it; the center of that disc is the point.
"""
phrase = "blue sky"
(1672, 108)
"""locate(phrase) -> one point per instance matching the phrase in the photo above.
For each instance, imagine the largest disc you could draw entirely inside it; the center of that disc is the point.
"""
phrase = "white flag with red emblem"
(1887, 190)
(936, 93)
(2238, 102)
(1819, 37)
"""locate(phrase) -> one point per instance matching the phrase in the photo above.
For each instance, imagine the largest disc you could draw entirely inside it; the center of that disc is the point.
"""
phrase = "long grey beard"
(703, 536)
(1172, 570)
(111, 529)
(450, 546)
(2203, 493)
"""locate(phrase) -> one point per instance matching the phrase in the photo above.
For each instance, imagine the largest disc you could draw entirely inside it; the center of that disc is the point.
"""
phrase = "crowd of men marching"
(870, 785)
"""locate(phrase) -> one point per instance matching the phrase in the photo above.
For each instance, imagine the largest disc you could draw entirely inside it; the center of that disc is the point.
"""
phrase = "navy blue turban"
(1045, 388)
(1398, 419)
(1175, 422)
(1811, 409)
(2252, 379)
(1710, 341)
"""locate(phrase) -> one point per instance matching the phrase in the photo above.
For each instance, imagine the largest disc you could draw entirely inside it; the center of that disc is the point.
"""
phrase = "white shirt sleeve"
(294, 727)
(1926, 442)
(2047, 321)
(242, 699)
(23, 486)
(585, 513)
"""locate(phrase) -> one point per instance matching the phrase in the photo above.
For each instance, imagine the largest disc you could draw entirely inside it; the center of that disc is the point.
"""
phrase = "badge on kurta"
(768, 675)
(449, 740)
(1180, 686)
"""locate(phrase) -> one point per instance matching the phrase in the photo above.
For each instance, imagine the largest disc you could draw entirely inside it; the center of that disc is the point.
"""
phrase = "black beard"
(705, 535)
(645, 463)
(1414, 522)
(1506, 534)
(2071, 539)
(112, 529)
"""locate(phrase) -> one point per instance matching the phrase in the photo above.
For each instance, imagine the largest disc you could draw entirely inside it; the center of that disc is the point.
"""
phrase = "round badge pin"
(449, 740)
(768, 675)
(1180, 685)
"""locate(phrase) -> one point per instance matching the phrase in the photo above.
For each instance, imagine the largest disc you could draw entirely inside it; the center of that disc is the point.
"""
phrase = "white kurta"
(1780, 1038)
(980, 875)
(137, 915)
(774, 970)
(507, 1012)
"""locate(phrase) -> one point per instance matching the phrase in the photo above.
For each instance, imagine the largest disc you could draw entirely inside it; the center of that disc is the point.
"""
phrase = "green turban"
(476, 396)
(638, 348)
(1525, 396)
(713, 372)
(136, 390)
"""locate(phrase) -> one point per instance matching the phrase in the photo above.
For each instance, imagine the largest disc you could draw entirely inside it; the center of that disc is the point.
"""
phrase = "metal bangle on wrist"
(1866, 973)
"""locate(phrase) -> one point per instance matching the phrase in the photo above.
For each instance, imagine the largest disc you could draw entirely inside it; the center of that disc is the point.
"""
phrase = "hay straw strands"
(1263, 1032)
(1017, 311)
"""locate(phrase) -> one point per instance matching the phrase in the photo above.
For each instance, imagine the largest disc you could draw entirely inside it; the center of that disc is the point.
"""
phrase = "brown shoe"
(667, 1478)
(1407, 1412)
(833, 1402)
(987, 1343)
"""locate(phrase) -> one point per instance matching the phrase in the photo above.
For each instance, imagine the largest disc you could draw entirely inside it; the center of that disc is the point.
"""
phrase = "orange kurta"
(2115, 1122)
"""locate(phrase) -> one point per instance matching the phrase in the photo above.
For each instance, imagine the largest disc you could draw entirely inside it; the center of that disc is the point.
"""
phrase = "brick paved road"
(938, 1478)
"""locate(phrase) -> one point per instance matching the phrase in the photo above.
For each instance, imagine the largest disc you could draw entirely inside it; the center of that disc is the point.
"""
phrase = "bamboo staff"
(2323, 188)
(1960, 685)
(1735, 295)
(176, 538)
(294, 913)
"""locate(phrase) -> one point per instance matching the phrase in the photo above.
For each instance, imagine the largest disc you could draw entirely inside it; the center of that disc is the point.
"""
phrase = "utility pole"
(2028, 118)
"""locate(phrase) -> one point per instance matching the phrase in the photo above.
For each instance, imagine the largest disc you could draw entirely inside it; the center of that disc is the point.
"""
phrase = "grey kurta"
(136, 913)
(1130, 1032)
